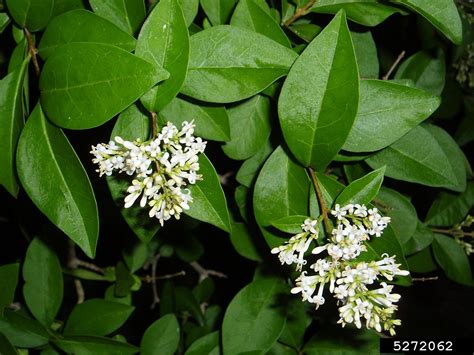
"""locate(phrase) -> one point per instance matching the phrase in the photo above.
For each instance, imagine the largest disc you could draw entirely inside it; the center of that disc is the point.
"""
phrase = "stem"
(453, 232)
(394, 65)
(154, 124)
(322, 203)
(32, 50)
(302, 11)
(203, 273)
(424, 279)
(156, 299)
(72, 264)
(150, 279)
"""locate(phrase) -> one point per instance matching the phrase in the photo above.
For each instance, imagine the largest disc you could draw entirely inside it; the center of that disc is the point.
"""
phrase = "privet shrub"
(338, 129)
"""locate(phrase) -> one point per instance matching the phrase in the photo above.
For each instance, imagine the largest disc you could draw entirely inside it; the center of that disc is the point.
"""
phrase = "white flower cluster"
(162, 168)
(353, 283)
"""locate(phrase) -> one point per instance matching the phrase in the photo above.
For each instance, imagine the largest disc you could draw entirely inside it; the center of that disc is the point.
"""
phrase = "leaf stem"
(32, 50)
(154, 124)
(203, 273)
(300, 12)
(322, 203)
(453, 232)
(394, 65)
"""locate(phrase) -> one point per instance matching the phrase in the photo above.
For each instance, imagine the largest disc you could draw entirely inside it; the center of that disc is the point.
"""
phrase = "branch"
(302, 11)
(32, 50)
(322, 203)
(424, 279)
(154, 124)
(156, 299)
(72, 264)
(394, 65)
(453, 232)
(203, 273)
(150, 279)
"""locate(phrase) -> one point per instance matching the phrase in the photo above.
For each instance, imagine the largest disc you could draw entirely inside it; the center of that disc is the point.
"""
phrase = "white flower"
(309, 226)
(338, 212)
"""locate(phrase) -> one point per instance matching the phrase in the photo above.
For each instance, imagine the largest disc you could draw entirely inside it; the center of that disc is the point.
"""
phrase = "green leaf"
(387, 111)
(247, 173)
(11, 121)
(426, 71)
(43, 288)
(88, 345)
(218, 11)
(97, 317)
(125, 281)
(23, 331)
(343, 341)
(419, 240)
(135, 256)
(190, 9)
(281, 349)
(82, 26)
(429, 163)
(254, 115)
(162, 337)
(9, 277)
(253, 321)
(18, 57)
(188, 248)
(289, 224)
(251, 15)
(244, 242)
(229, 64)
(62, 6)
(55, 180)
(164, 41)
(6, 346)
(110, 80)
(209, 203)
(366, 55)
(296, 323)
(211, 121)
(449, 208)
(319, 99)
(208, 344)
(4, 21)
(110, 296)
(186, 302)
(127, 15)
(442, 14)
(282, 189)
(132, 124)
(241, 197)
(453, 260)
(305, 31)
(362, 190)
(32, 14)
(364, 12)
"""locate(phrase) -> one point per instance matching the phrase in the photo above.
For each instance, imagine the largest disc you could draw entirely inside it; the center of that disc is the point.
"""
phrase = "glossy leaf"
(443, 14)
(4, 21)
(132, 124)
(55, 180)
(253, 321)
(88, 345)
(229, 64)
(32, 14)
(135, 256)
(296, 323)
(43, 288)
(190, 9)
(419, 240)
(97, 317)
(363, 190)
(250, 14)
(319, 99)
(127, 15)
(23, 331)
(218, 11)
(254, 115)
(209, 203)
(453, 260)
(208, 344)
(281, 190)
(162, 337)
(6, 346)
(9, 277)
(11, 121)
(429, 163)
(427, 72)
(366, 55)
(212, 122)
(387, 111)
(82, 26)
(244, 242)
(164, 41)
(449, 208)
(364, 12)
(110, 80)
(305, 31)
(289, 224)
(62, 6)
(248, 171)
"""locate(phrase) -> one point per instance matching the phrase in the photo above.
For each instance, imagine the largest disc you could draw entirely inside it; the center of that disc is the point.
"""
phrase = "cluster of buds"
(460, 234)
(355, 284)
(162, 168)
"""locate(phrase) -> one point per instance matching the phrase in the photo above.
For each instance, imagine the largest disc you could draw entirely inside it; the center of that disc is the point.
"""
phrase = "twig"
(424, 279)
(156, 299)
(203, 273)
(394, 65)
(32, 50)
(300, 12)
(72, 264)
(224, 178)
(150, 279)
(154, 124)
(453, 232)
(322, 203)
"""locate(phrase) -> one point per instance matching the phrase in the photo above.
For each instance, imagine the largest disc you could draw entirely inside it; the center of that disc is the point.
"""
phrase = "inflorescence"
(353, 283)
(162, 168)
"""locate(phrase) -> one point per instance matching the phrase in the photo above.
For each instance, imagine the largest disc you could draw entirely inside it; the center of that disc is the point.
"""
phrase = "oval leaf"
(82, 26)
(253, 321)
(243, 241)
(218, 11)
(162, 337)
(362, 190)
(319, 99)
(208, 344)
(55, 180)
(164, 41)
(9, 277)
(85, 345)
(209, 203)
(289, 224)
(366, 54)
(32, 14)
(97, 317)
(387, 111)
(229, 64)
(22, 331)
(127, 15)
(84, 85)
(43, 288)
